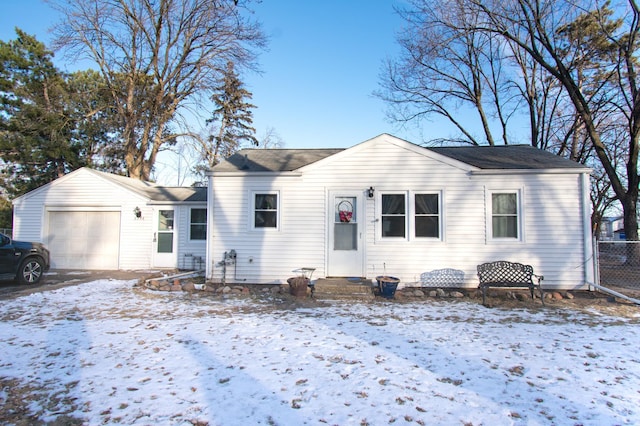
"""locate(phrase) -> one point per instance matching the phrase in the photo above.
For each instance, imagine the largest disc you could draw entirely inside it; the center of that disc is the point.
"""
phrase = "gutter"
(250, 173)
(587, 240)
(530, 171)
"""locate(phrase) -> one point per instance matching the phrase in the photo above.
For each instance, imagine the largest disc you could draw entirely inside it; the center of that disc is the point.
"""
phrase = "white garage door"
(84, 239)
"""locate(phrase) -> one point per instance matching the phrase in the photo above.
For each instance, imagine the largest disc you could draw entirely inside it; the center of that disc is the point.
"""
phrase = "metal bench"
(508, 274)
(446, 277)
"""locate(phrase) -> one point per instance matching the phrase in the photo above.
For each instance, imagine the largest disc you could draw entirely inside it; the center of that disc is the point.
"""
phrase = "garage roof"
(157, 192)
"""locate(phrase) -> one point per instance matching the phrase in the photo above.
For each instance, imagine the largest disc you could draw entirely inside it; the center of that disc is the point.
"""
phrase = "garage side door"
(84, 239)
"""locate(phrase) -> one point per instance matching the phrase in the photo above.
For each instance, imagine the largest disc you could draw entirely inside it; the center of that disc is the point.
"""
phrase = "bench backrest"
(446, 277)
(505, 272)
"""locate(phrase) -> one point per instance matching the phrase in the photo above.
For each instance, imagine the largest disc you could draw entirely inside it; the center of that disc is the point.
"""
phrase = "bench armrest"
(539, 277)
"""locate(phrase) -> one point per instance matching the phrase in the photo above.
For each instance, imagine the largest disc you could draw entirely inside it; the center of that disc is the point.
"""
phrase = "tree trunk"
(630, 220)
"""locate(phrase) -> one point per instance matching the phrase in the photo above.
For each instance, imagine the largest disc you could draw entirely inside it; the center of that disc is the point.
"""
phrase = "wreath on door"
(345, 211)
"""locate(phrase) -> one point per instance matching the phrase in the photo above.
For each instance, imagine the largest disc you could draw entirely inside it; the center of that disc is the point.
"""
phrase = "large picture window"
(427, 216)
(394, 216)
(198, 224)
(504, 215)
(265, 210)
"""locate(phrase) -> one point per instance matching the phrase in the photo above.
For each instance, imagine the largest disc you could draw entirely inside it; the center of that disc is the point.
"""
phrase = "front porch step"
(343, 288)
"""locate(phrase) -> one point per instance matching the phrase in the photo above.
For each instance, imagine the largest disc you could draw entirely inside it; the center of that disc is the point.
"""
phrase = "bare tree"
(576, 67)
(445, 68)
(271, 139)
(534, 26)
(156, 55)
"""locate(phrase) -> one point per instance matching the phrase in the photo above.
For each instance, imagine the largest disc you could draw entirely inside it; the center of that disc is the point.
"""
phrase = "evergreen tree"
(51, 123)
(234, 119)
(35, 130)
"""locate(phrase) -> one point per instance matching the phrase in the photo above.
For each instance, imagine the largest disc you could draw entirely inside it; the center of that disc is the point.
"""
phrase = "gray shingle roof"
(157, 192)
(514, 157)
(273, 160)
(507, 157)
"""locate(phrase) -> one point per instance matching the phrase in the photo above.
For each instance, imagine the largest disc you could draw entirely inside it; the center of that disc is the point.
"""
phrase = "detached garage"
(95, 220)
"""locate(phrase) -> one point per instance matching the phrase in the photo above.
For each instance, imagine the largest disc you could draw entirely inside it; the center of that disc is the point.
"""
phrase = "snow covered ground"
(106, 352)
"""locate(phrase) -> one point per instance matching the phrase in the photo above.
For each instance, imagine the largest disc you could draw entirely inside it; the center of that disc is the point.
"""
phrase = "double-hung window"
(198, 224)
(427, 215)
(265, 210)
(411, 215)
(505, 220)
(394, 217)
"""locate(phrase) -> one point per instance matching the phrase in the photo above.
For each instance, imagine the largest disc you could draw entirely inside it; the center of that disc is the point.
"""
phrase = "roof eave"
(562, 171)
(215, 174)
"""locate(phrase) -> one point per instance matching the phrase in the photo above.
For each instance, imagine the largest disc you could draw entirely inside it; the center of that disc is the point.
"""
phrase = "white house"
(95, 220)
(387, 206)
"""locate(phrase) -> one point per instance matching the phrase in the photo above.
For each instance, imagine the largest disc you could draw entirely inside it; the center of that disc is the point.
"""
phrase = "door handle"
(154, 237)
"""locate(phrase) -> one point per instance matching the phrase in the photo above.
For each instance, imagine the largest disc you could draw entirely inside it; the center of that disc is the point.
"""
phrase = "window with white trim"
(505, 215)
(394, 217)
(198, 224)
(426, 215)
(265, 210)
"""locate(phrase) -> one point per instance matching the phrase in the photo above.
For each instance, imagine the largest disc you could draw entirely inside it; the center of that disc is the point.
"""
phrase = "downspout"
(209, 247)
(589, 256)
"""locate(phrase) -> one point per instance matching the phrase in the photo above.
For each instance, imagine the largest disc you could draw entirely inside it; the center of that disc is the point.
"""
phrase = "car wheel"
(31, 271)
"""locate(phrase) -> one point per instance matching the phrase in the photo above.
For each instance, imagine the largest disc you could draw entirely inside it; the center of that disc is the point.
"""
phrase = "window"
(265, 211)
(427, 215)
(393, 216)
(504, 215)
(198, 224)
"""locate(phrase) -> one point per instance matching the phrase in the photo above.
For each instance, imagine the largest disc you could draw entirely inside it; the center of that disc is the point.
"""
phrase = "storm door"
(346, 258)
(164, 240)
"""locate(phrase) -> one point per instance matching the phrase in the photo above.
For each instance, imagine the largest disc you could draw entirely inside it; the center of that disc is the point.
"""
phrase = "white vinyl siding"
(84, 191)
(397, 167)
(97, 195)
(191, 252)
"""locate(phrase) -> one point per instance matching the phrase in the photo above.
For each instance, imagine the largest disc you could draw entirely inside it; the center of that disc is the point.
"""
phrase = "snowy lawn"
(105, 352)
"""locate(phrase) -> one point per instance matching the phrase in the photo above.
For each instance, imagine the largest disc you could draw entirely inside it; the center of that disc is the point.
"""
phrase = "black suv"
(22, 261)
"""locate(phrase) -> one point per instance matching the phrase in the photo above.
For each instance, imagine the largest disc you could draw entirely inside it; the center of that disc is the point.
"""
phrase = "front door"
(164, 240)
(346, 219)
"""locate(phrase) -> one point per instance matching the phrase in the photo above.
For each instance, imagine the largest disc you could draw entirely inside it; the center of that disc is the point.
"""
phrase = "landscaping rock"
(521, 297)
(188, 286)
(457, 294)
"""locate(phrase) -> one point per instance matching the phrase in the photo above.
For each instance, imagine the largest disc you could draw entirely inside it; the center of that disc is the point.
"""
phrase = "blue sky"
(322, 67)
(319, 72)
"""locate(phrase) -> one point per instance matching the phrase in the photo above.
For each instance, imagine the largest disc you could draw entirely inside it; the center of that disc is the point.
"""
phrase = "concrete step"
(343, 288)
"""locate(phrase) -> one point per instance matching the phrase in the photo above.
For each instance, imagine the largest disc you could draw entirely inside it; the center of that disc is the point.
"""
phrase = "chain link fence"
(619, 263)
